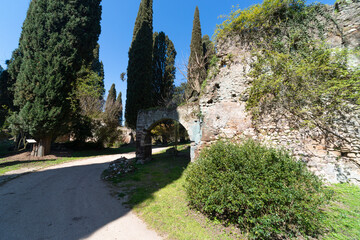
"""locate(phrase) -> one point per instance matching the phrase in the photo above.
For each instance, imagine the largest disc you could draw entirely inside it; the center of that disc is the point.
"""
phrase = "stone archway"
(187, 116)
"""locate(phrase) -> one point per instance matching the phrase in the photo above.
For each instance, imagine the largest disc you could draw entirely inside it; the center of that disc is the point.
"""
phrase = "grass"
(7, 165)
(343, 214)
(155, 192)
(101, 152)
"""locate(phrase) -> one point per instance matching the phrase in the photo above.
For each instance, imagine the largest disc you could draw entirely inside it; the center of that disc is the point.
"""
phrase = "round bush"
(262, 190)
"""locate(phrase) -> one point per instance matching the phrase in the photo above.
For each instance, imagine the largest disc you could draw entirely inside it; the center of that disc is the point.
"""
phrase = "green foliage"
(139, 72)
(89, 91)
(56, 39)
(119, 105)
(87, 98)
(266, 15)
(343, 213)
(293, 71)
(5, 96)
(262, 190)
(312, 84)
(111, 98)
(109, 133)
(164, 70)
(208, 51)
(214, 67)
(179, 95)
(196, 70)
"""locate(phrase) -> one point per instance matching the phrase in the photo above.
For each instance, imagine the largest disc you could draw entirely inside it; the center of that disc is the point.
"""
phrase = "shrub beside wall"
(262, 190)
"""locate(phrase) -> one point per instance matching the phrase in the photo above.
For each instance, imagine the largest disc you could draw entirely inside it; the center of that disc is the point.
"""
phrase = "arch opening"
(148, 119)
(165, 133)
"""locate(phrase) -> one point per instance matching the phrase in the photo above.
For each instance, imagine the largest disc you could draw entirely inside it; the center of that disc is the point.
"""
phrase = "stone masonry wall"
(224, 116)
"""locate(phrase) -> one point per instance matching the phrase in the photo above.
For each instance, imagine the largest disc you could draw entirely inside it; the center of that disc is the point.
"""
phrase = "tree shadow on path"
(74, 203)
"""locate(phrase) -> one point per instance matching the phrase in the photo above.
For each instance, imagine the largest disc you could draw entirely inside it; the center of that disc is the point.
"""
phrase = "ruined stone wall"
(224, 116)
(186, 115)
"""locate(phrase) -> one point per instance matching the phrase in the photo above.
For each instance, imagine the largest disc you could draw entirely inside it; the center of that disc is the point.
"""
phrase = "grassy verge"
(343, 214)
(7, 165)
(155, 192)
(106, 151)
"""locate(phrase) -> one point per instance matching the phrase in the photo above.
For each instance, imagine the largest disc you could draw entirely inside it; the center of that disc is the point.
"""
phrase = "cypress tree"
(120, 108)
(13, 69)
(164, 55)
(98, 67)
(4, 95)
(196, 68)
(111, 98)
(113, 108)
(90, 87)
(57, 37)
(208, 50)
(139, 72)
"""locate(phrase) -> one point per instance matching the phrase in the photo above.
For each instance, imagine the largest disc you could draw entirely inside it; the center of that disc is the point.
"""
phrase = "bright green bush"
(262, 190)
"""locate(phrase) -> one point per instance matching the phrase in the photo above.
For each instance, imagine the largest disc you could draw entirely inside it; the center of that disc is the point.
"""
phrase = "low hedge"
(263, 191)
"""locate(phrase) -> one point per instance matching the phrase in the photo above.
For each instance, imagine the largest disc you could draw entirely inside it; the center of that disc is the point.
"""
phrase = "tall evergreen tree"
(7, 82)
(208, 50)
(164, 55)
(196, 65)
(139, 72)
(6, 96)
(112, 108)
(90, 87)
(120, 108)
(13, 69)
(3, 95)
(111, 98)
(57, 37)
(98, 67)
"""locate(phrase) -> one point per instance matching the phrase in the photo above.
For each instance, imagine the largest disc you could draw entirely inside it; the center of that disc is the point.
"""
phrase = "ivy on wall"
(293, 69)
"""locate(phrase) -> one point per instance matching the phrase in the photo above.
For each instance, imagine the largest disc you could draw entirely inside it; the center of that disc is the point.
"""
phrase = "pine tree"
(196, 65)
(164, 69)
(139, 72)
(57, 37)
(120, 108)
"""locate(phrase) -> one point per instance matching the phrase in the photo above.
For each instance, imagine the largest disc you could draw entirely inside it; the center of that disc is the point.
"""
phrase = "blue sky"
(174, 17)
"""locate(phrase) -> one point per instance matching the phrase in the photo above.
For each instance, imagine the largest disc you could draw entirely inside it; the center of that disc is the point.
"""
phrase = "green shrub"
(262, 190)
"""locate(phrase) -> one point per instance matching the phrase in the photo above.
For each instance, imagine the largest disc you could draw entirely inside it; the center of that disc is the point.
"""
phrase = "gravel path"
(67, 201)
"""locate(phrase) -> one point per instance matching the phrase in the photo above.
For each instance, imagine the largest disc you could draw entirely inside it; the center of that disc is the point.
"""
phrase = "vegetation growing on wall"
(293, 69)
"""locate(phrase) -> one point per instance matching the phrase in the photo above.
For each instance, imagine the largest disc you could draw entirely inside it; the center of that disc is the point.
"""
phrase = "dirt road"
(68, 201)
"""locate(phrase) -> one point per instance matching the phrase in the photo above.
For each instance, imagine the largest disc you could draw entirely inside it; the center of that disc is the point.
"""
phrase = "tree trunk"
(164, 139)
(176, 138)
(42, 148)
